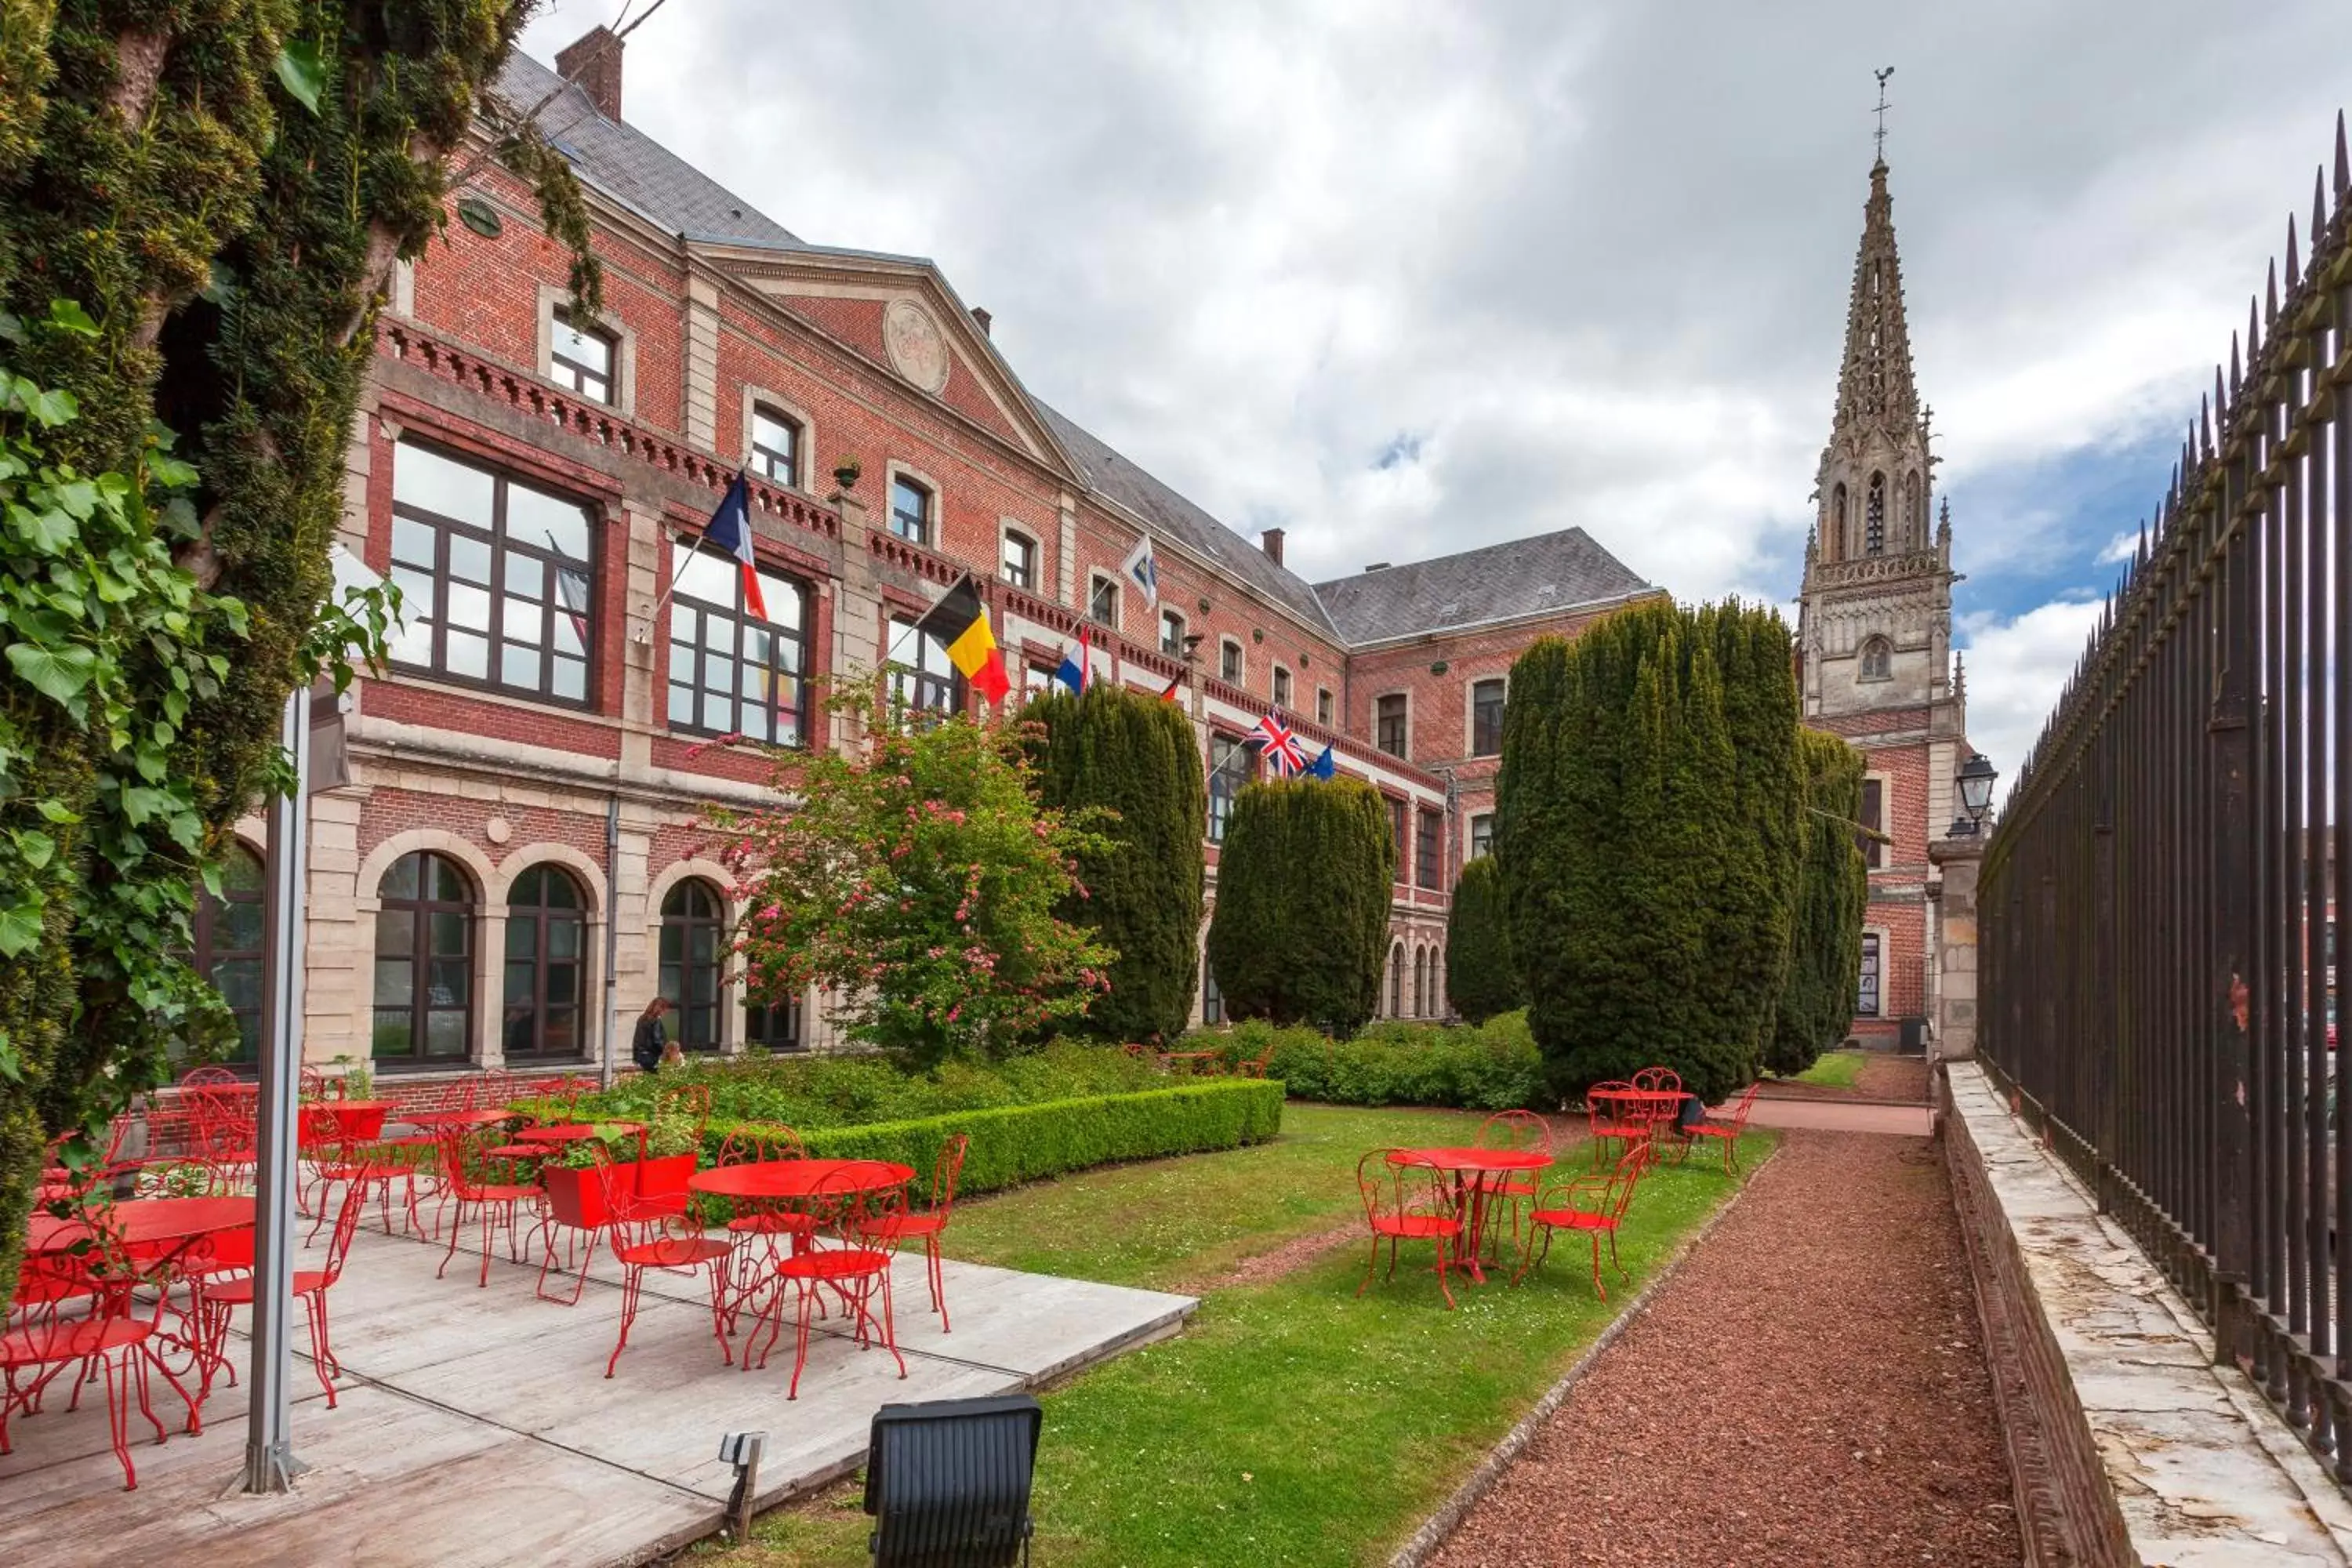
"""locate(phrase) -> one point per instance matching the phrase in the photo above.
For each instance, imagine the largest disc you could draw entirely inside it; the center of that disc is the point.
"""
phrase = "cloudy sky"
(1409, 277)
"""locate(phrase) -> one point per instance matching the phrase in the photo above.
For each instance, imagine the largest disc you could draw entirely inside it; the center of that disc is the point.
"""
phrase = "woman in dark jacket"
(652, 1036)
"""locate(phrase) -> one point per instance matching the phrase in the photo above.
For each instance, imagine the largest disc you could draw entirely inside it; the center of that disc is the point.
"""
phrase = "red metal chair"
(1613, 1120)
(929, 1224)
(109, 1338)
(1405, 1200)
(850, 1253)
(1522, 1132)
(310, 1288)
(1726, 1131)
(1592, 1204)
(678, 1247)
(463, 1182)
(761, 1221)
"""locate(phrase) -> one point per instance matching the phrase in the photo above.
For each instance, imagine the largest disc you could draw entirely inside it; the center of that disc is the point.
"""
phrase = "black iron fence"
(2158, 903)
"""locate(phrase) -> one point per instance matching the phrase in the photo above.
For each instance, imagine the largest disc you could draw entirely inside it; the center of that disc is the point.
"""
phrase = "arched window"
(423, 962)
(1396, 980)
(227, 946)
(1874, 518)
(1877, 659)
(692, 921)
(1914, 514)
(547, 961)
(1421, 983)
(1838, 545)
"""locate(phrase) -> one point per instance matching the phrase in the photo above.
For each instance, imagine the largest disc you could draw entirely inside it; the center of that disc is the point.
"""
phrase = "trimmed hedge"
(1013, 1145)
(1493, 1066)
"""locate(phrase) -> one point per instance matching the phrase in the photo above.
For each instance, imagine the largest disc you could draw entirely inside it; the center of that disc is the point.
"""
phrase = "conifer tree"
(1134, 755)
(1643, 852)
(1302, 919)
(1817, 1004)
(1480, 979)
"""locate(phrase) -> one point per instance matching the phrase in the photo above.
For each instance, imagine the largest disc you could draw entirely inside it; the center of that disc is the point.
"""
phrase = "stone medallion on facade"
(918, 349)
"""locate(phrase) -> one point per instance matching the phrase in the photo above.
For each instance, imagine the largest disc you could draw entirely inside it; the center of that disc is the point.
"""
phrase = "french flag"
(730, 533)
(1073, 670)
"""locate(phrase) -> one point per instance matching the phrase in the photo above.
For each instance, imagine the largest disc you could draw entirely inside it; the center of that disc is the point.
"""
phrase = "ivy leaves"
(302, 73)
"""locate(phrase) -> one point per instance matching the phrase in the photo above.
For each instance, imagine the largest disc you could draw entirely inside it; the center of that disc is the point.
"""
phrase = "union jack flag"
(1280, 748)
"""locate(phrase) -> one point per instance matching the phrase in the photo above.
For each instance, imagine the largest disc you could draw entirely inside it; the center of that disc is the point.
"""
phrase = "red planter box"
(654, 1186)
(577, 1197)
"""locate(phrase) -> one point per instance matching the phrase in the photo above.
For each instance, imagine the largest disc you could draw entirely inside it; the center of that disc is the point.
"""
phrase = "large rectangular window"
(910, 510)
(1867, 1002)
(1102, 603)
(1874, 815)
(1482, 835)
(731, 673)
(1017, 560)
(1388, 727)
(1229, 661)
(1401, 827)
(1486, 719)
(1231, 765)
(922, 676)
(493, 575)
(1429, 850)
(1172, 634)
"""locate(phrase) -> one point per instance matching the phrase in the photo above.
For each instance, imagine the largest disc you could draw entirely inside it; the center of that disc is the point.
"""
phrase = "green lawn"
(1291, 1422)
(1836, 1069)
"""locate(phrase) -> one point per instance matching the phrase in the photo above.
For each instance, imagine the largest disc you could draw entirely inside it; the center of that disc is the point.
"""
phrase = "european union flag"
(1322, 767)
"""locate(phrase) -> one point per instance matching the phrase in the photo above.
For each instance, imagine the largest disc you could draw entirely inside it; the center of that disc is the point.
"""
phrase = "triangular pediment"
(899, 314)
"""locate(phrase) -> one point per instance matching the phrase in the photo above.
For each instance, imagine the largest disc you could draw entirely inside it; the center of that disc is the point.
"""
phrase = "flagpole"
(691, 553)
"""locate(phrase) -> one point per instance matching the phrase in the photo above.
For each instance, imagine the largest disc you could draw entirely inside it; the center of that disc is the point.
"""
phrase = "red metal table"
(139, 1221)
(1477, 1175)
(799, 1178)
(433, 1121)
(343, 1121)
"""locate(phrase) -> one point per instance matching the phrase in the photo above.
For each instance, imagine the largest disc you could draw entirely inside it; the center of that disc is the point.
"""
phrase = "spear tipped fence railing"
(2158, 901)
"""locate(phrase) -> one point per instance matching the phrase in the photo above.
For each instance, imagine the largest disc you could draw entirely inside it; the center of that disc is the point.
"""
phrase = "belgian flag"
(961, 621)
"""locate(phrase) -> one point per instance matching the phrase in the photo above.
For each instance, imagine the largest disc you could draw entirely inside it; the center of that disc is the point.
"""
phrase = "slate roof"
(1518, 577)
(634, 169)
(1170, 516)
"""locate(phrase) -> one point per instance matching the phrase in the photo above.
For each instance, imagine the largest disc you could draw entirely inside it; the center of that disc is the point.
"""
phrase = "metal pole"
(269, 1462)
(609, 1056)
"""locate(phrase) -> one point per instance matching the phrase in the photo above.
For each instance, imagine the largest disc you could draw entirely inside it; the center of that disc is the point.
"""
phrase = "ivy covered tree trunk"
(1817, 1004)
(1480, 977)
(1129, 754)
(1301, 926)
(1639, 857)
(200, 208)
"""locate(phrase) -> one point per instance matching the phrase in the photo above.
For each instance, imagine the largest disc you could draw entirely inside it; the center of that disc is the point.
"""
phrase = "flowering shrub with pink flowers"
(916, 880)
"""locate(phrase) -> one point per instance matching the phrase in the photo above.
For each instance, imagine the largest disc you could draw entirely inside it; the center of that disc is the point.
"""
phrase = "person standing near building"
(651, 1036)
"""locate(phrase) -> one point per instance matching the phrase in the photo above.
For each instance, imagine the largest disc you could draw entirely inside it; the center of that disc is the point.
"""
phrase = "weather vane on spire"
(1881, 136)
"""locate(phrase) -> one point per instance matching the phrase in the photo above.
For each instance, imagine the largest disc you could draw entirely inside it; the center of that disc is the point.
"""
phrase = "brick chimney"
(1272, 540)
(593, 60)
(983, 318)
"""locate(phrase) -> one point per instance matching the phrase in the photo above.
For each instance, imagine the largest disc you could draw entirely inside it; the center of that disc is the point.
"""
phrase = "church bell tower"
(1874, 622)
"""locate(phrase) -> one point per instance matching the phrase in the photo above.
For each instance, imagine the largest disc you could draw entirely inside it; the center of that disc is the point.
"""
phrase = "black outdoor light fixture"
(742, 1450)
(948, 1482)
(1975, 786)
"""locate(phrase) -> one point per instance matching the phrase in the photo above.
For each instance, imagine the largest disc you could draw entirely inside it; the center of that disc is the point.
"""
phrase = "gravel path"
(1809, 1390)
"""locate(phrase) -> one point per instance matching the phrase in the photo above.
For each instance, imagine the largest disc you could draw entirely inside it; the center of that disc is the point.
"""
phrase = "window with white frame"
(922, 677)
(732, 672)
(1866, 999)
(493, 575)
(1482, 835)
(581, 356)
(1102, 601)
(1281, 687)
(1172, 634)
(1323, 706)
(1229, 661)
(1232, 763)
(775, 446)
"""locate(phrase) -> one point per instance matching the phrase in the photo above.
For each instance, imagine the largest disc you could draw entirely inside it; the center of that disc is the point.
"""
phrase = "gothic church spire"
(1874, 384)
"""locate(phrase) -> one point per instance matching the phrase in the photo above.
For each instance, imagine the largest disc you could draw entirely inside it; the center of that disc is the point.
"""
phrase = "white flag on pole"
(1142, 569)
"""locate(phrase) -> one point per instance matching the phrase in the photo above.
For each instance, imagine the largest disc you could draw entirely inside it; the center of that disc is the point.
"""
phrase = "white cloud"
(2016, 670)
(1594, 259)
(2119, 548)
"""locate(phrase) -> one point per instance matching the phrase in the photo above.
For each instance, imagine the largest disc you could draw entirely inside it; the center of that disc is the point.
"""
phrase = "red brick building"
(1874, 629)
(516, 865)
